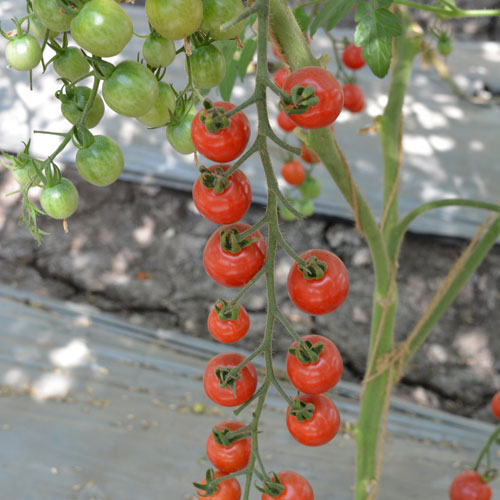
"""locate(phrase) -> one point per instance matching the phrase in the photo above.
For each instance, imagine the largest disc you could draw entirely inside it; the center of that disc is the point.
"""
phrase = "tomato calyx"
(302, 411)
(210, 486)
(214, 119)
(302, 98)
(230, 243)
(82, 137)
(215, 180)
(307, 352)
(313, 268)
(227, 377)
(227, 311)
(225, 437)
(271, 485)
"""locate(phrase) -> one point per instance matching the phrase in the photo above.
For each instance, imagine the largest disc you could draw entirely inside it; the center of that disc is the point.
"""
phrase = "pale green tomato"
(72, 110)
(39, 29)
(179, 134)
(49, 13)
(158, 51)
(60, 201)
(161, 111)
(208, 66)
(218, 12)
(174, 19)
(24, 175)
(23, 53)
(71, 64)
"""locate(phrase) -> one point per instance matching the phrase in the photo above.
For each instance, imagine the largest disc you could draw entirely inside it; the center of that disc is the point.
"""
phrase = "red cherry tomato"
(354, 100)
(318, 377)
(321, 428)
(226, 207)
(234, 269)
(244, 386)
(229, 489)
(495, 405)
(308, 155)
(229, 330)
(293, 172)
(328, 91)
(296, 487)
(280, 76)
(352, 57)
(320, 295)
(226, 144)
(229, 458)
(468, 485)
(284, 122)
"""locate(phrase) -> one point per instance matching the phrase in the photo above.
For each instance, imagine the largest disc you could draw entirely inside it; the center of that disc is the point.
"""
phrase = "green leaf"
(378, 54)
(384, 3)
(331, 13)
(246, 57)
(302, 18)
(226, 86)
(387, 23)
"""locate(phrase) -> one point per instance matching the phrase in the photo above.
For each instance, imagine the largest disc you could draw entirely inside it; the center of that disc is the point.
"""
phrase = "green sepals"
(225, 437)
(313, 268)
(227, 378)
(215, 180)
(210, 487)
(82, 137)
(214, 119)
(230, 243)
(302, 411)
(271, 485)
(488, 475)
(52, 173)
(227, 311)
(102, 69)
(307, 352)
(302, 98)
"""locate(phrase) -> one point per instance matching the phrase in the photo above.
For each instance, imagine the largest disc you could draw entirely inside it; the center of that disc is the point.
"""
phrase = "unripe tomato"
(73, 109)
(71, 64)
(244, 386)
(208, 66)
(296, 487)
(228, 206)
(229, 489)
(328, 91)
(445, 45)
(61, 200)
(162, 109)
(293, 172)
(131, 90)
(468, 485)
(23, 53)
(321, 428)
(218, 12)
(25, 174)
(158, 51)
(102, 28)
(320, 295)
(229, 458)
(310, 188)
(352, 57)
(39, 29)
(179, 133)
(174, 19)
(51, 15)
(353, 98)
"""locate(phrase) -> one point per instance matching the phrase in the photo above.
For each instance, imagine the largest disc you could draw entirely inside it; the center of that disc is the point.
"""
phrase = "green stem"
(289, 328)
(487, 447)
(455, 13)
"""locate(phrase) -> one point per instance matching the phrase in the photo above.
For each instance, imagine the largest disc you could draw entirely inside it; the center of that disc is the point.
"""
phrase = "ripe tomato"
(228, 331)
(226, 144)
(321, 428)
(280, 76)
(131, 90)
(284, 122)
(61, 200)
(495, 405)
(310, 188)
(73, 109)
(308, 155)
(296, 487)
(328, 91)
(226, 207)
(229, 458)
(161, 111)
(71, 64)
(218, 12)
(208, 66)
(353, 98)
(244, 387)
(102, 28)
(234, 269)
(319, 295)
(318, 377)
(293, 172)
(101, 163)
(352, 57)
(51, 16)
(179, 133)
(174, 19)
(468, 485)
(229, 489)
(158, 51)
(23, 53)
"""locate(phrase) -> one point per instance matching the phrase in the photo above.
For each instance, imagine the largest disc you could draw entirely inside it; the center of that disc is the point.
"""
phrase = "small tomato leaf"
(384, 3)
(226, 86)
(246, 57)
(302, 18)
(331, 13)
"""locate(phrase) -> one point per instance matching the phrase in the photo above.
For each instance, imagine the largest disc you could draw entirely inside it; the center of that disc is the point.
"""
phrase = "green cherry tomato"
(101, 163)
(444, 45)
(72, 110)
(164, 105)
(305, 207)
(174, 19)
(179, 134)
(23, 53)
(24, 174)
(218, 12)
(71, 64)
(131, 90)
(158, 51)
(208, 66)
(310, 188)
(49, 13)
(61, 200)
(39, 29)
(102, 27)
